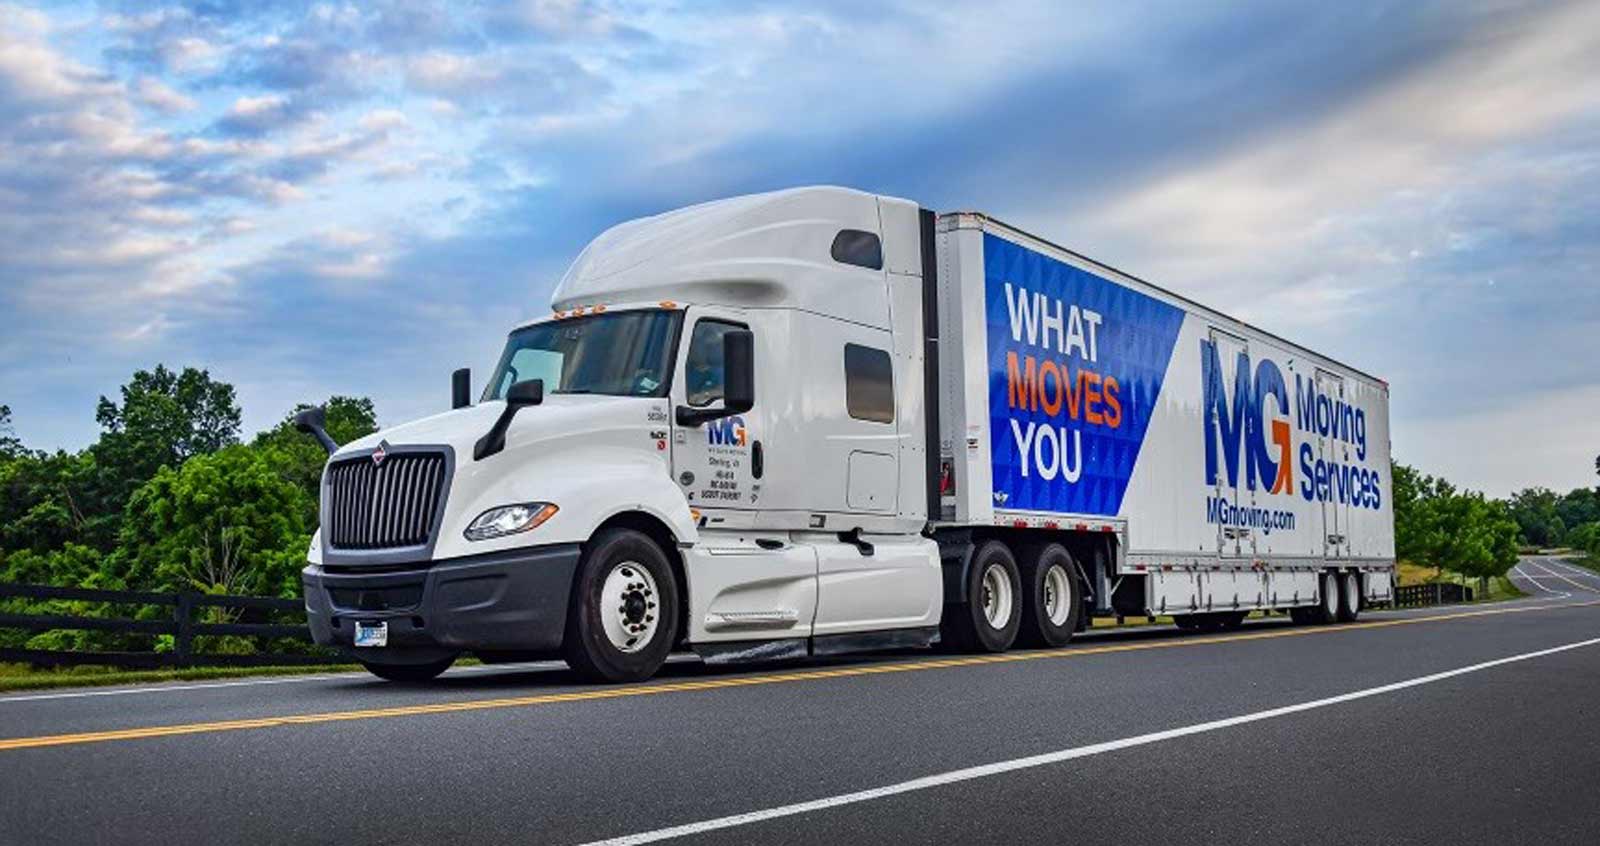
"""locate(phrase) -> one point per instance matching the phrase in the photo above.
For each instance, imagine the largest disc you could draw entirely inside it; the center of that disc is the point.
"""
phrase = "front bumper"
(512, 601)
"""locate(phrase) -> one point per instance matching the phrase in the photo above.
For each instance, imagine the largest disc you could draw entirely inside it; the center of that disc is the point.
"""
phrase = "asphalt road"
(1448, 725)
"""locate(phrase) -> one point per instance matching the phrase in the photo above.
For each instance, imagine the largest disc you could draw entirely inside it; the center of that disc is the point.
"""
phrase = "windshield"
(625, 354)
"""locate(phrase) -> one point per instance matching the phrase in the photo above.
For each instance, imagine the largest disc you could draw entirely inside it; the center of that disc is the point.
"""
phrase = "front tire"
(989, 619)
(623, 619)
(1052, 598)
(409, 673)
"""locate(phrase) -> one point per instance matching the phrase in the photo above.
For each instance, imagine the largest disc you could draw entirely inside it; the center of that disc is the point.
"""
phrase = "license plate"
(372, 634)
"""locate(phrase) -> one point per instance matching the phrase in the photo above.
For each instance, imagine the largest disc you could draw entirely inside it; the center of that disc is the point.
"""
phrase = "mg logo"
(729, 431)
(1237, 425)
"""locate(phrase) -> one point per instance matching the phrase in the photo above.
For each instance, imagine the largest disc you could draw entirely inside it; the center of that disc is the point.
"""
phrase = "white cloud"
(162, 97)
(1542, 440)
(1281, 194)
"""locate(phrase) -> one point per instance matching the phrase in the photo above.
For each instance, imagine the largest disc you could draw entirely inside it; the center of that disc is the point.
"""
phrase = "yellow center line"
(459, 706)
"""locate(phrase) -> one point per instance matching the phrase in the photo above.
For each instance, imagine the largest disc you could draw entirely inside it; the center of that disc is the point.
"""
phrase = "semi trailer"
(818, 421)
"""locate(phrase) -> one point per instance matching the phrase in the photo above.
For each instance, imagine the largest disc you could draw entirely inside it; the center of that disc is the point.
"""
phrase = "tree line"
(168, 498)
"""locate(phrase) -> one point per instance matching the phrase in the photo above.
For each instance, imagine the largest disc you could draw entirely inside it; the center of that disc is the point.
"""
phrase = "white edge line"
(1554, 574)
(353, 673)
(1536, 583)
(1001, 767)
(178, 688)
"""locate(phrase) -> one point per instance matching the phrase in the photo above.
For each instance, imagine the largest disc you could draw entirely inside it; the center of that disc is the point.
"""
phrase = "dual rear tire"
(1338, 600)
(1036, 602)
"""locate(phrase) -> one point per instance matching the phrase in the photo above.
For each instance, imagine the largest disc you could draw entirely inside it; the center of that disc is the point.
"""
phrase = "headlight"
(509, 519)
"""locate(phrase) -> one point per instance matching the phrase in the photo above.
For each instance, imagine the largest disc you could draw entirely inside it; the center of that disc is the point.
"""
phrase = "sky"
(312, 199)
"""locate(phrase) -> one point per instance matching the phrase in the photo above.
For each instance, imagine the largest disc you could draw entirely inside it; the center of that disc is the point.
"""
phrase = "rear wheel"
(1349, 597)
(1327, 607)
(409, 672)
(988, 620)
(623, 618)
(1053, 601)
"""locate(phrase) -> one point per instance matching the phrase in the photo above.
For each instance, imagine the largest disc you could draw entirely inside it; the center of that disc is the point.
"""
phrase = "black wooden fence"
(1416, 596)
(180, 623)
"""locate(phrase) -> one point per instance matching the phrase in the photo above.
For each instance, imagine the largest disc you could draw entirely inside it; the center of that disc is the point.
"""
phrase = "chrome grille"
(387, 505)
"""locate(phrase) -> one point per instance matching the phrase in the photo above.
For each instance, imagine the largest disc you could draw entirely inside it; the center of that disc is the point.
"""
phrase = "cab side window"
(868, 384)
(703, 367)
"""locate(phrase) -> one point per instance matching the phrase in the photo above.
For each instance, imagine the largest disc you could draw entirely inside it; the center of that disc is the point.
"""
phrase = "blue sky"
(357, 198)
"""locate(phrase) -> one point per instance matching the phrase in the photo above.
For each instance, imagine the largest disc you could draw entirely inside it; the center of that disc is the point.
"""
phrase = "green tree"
(164, 419)
(228, 522)
(1537, 517)
(1586, 538)
(1578, 506)
(1416, 517)
(47, 501)
(1462, 531)
(1479, 537)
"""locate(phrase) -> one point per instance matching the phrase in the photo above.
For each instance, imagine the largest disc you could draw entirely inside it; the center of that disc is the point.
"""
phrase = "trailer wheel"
(988, 620)
(414, 673)
(1053, 599)
(623, 618)
(1349, 597)
(1187, 622)
(1327, 607)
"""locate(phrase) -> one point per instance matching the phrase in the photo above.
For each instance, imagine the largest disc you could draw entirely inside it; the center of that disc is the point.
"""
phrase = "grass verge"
(15, 677)
(1500, 587)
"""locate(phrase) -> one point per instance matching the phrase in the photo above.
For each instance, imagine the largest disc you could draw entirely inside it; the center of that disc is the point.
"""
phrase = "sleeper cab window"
(868, 384)
(703, 367)
(862, 249)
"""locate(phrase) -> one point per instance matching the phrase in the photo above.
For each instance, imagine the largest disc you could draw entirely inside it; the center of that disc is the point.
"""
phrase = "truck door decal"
(1076, 364)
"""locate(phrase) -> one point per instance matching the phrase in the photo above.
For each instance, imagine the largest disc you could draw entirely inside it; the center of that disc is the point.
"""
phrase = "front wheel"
(413, 673)
(623, 618)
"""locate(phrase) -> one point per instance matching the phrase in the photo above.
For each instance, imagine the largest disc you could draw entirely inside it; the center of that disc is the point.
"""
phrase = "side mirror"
(518, 396)
(739, 381)
(315, 421)
(739, 371)
(461, 388)
(525, 393)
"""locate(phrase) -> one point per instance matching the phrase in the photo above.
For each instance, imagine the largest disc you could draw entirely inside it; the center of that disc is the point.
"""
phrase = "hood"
(560, 416)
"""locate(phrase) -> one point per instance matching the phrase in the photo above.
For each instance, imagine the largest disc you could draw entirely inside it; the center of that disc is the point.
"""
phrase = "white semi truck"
(818, 421)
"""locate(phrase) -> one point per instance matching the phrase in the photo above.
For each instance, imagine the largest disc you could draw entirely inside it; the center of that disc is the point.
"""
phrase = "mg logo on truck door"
(729, 431)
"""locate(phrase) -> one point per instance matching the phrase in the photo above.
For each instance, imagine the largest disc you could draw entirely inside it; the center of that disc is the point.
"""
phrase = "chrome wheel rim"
(628, 607)
(1330, 595)
(997, 596)
(1057, 595)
